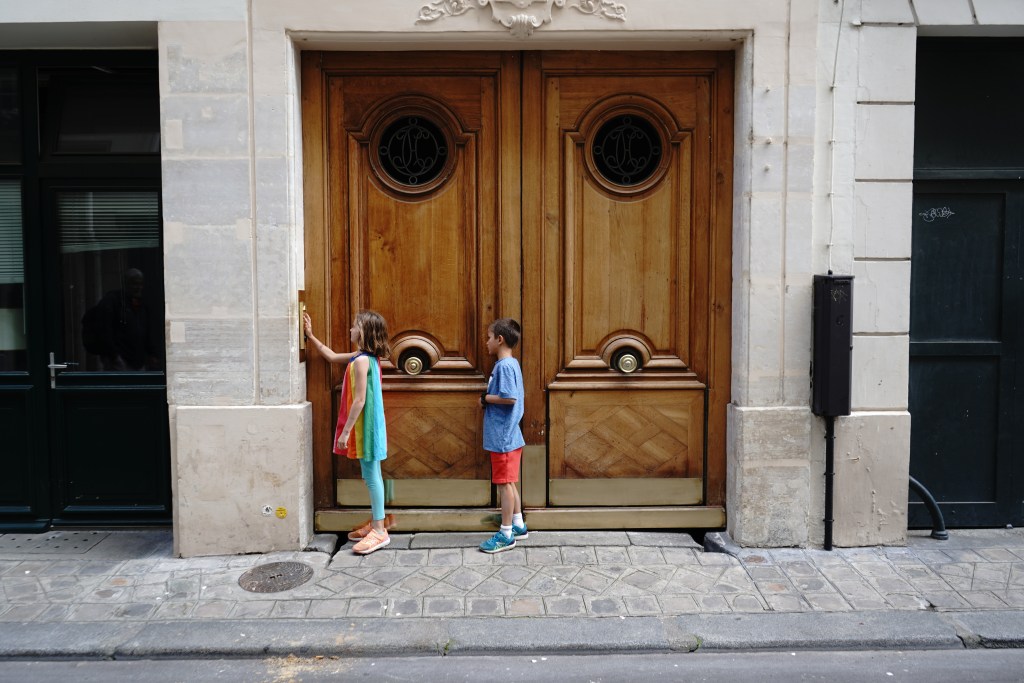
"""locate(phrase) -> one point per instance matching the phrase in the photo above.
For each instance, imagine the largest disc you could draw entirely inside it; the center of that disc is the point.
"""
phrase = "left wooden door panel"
(419, 185)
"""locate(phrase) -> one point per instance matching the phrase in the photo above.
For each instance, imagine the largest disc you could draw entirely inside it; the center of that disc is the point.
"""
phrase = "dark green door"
(967, 282)
(966, 319)
(83, 407)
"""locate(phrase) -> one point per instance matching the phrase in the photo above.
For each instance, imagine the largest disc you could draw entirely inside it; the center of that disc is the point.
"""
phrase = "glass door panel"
(112, 286)
(13, 353)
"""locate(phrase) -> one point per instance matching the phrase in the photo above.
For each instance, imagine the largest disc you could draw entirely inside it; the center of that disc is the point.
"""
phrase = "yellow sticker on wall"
(281, 513)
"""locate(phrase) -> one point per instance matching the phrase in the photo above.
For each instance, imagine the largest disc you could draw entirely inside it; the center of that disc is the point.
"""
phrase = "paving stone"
(565, 606)
(673, 556)
(678, 604)
(563, 539)
(591, 581)
(135, 610)
(605, 606)
(712, 603)
(1013, 597)
(867, 604)
(891, 585)
(524, 607)
(644, 556)
(875, 569)
(493, 586)
(516, 556)
(514, 575)
(579, 555)
(662, 539)
(183, 610)
(327, 609)
(786, 602)
(347, 587)
(389, 576)
(449, 557)
(747, 602)
(473, 556)
(213, 609)
(902, 601)
(542, 585)
(810, 584)
(443, 607)
(366, 607)
(294, 609)
(411, 558)
(542, 556)
(965, 556)
(643, 605)
(766, 574)
(997, 555)
(983, 599)
(405, 607)
(465, 579)
(945, 599)
(825, 602)
(485, 607)
(27, 612)
(716, 559)
(415, 585)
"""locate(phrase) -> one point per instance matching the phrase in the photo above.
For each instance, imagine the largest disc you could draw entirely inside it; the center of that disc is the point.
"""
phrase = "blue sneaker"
(519, 532)
(497, 543)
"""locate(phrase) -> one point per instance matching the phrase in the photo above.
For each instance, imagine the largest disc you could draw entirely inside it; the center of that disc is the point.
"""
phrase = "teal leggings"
(375, 484)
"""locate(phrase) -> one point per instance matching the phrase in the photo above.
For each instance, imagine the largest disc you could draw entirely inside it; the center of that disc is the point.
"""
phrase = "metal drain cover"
(275, 576)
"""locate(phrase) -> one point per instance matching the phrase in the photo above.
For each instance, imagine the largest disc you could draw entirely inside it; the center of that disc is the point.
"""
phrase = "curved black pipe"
(938, 525)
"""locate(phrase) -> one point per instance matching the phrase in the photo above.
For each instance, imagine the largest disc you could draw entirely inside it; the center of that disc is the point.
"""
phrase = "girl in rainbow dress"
(361, 432)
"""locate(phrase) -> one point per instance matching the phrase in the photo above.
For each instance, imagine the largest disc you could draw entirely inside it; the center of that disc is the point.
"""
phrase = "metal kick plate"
(52, 542)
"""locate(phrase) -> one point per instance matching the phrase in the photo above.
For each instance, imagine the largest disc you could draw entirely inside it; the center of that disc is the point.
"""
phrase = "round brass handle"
(627, 362)
(413, 365)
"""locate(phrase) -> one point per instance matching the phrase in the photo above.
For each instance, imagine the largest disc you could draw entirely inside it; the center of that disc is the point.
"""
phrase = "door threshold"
(542, 519)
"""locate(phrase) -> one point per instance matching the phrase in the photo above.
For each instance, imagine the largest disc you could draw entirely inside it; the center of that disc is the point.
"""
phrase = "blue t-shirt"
(501, 422)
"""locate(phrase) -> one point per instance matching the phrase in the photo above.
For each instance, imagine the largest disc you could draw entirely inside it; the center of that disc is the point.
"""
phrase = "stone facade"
(823, 169)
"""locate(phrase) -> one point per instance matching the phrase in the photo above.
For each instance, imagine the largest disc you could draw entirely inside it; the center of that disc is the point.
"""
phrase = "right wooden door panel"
(626, 273)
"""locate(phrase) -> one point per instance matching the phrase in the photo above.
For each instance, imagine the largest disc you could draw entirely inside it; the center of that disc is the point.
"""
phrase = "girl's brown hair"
(374, 332)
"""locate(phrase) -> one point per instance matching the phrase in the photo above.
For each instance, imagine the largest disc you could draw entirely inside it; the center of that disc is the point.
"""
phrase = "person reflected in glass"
(117, 328)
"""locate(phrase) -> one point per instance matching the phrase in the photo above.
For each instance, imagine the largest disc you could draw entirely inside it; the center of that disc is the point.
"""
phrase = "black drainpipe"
(830, 472)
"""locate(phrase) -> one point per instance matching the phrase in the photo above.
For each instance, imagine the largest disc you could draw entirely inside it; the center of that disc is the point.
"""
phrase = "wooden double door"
(587, 195)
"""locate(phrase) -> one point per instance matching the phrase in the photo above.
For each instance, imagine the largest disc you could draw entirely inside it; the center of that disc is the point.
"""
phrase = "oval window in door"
(627, 150)
(413, 153)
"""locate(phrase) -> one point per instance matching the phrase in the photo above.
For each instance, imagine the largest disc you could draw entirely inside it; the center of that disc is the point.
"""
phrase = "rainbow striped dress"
(368, 439)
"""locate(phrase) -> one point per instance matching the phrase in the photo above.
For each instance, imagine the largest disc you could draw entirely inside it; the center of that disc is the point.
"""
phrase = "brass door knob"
(413, 365)
(627, 362)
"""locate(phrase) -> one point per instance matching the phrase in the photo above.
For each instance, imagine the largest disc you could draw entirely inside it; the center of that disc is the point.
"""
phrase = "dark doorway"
(83, 403)
(967, 282)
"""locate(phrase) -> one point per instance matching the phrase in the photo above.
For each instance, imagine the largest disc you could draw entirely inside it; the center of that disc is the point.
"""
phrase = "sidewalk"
(122, 594)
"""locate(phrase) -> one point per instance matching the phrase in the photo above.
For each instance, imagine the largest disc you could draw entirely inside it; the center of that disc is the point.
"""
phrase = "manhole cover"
(275, 576)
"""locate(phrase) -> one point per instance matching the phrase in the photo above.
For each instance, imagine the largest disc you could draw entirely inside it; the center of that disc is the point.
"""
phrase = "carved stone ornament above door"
(520, 17)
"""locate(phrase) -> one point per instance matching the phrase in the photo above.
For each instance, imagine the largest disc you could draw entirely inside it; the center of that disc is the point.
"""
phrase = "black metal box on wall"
(832, 361)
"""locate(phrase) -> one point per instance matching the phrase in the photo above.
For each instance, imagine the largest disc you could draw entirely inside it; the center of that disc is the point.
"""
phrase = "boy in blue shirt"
(503, 410)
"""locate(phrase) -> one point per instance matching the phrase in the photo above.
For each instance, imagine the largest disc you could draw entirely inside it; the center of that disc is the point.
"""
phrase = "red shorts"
(505, 466)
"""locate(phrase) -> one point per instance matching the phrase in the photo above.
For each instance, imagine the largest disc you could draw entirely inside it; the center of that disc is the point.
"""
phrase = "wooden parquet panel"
(627, 434)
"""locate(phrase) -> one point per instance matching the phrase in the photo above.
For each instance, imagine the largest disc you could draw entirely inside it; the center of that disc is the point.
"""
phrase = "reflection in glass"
(13, 354)
(10, 118)
(112, 280)
(99, 111)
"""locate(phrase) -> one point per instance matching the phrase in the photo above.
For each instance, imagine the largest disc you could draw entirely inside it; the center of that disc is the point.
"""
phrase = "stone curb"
(375, 637)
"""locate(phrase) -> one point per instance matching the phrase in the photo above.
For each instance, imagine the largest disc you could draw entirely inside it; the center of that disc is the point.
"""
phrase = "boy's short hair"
(508, 329)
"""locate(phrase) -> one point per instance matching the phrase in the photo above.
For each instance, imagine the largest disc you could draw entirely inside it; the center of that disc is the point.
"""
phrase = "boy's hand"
(483, 399)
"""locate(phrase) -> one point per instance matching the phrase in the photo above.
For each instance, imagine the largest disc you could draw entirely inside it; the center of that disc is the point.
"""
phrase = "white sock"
(507, 530)
(517, 519)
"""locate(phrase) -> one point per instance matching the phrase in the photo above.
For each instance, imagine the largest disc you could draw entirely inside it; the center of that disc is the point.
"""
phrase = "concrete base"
(242, 479)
